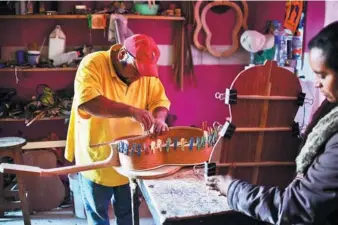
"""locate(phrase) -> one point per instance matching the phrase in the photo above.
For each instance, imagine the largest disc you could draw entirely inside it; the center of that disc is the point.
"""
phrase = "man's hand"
(160, 127)
(219, 183)
(144, 117)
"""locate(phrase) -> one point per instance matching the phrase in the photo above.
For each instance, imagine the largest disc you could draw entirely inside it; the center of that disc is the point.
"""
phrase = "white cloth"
(253, 41)
(118, 29)
(331, 9)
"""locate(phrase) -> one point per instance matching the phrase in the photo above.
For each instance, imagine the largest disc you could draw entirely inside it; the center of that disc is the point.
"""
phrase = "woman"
(312, 197)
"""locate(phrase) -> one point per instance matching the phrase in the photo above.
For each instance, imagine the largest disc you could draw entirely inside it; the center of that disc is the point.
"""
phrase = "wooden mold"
(200, 13)
(263, 146)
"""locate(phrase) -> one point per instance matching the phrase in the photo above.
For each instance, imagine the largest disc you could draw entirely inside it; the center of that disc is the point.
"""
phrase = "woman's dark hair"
(327, 41)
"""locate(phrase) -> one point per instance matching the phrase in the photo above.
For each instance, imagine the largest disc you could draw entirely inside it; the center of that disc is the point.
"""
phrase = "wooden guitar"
(145, 156)
(259, 141)
(44, 193)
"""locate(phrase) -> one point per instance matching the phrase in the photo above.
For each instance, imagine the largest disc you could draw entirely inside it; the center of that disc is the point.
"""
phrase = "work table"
(183, 198)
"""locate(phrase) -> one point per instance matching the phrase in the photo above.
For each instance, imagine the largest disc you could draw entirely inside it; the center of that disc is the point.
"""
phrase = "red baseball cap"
(144, 49)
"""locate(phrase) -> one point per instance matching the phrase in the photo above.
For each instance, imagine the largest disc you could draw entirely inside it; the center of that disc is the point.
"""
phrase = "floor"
(63, 216)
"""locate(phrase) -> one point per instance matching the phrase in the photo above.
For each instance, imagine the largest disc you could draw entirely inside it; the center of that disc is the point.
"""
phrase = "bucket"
(76, 194)
(33, 57)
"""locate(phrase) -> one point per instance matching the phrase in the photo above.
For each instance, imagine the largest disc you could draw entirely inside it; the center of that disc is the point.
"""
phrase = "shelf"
(38, 69)
(22, 119)
(128, 16)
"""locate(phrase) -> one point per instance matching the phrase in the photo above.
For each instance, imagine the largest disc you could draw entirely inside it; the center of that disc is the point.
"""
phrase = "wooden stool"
(11, 147)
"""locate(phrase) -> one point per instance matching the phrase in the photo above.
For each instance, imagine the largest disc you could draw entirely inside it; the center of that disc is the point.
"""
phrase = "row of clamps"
(177, 143)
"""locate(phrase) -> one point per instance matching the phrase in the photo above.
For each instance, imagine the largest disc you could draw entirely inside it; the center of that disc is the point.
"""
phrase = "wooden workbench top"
(183, 195)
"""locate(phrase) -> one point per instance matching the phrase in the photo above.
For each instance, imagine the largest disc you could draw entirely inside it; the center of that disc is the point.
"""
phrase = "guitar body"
(262, 146)
(180, 146)
(44, 193)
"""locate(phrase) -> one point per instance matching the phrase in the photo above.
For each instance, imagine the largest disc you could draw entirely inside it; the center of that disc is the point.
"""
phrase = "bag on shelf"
(57, 43)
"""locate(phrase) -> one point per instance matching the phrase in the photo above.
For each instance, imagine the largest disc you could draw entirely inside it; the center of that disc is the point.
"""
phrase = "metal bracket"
(295, 129)
(300, 99)
(230, 96)
(228, 130)
(209, 169)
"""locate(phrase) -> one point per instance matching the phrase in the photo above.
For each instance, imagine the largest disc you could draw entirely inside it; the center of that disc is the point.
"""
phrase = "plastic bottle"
(65, 58)
(280, 45)
(57, 43)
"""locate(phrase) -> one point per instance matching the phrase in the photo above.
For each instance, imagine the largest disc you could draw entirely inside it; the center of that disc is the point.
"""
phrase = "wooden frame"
(262, 144)
(241, 21)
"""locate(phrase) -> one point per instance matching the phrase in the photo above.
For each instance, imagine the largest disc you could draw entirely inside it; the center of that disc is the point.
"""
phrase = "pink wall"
(192, 106)
(314, 20)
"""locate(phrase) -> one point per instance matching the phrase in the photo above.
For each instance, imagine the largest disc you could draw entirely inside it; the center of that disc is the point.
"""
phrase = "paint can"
(33, 57)
(20, 57)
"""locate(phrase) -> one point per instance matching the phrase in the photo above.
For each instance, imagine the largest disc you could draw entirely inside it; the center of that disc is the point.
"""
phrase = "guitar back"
(44, 193)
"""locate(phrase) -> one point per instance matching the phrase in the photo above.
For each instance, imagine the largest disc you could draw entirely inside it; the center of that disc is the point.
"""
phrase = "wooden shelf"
(129, 16)
(38, 69)
(21, 119)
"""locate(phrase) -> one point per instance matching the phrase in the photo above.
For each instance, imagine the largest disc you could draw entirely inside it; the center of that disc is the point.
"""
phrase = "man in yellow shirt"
(115, 91)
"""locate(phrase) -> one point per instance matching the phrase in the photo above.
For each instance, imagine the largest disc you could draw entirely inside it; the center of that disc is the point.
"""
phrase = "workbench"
(184, 199)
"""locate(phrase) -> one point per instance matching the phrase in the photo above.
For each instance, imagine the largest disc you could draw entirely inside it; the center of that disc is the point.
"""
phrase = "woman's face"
(326, 79)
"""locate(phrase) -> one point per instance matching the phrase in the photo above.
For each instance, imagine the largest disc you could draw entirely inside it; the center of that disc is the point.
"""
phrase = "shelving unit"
(128, 16)
(5, 18)
(83, 17)
(38, 69)
(21, 119)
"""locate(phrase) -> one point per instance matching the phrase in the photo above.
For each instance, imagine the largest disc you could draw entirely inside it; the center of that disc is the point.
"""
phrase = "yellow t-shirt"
(96, 76)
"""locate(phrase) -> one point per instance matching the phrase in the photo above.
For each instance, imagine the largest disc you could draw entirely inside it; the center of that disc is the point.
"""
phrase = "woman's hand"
(219, 183)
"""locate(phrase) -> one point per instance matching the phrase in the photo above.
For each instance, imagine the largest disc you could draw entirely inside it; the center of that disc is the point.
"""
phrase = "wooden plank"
(262, 129)
(23, 69)
(262, 97)
(182, 196)
(262, 123)
(7, 194)
(11, 206)
(182, 59)
(256, 164)
(19, 169)
(131, 16)
(44, 144)
(22, 119)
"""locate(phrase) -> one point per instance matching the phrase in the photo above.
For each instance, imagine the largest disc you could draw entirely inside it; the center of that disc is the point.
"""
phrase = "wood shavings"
(184, 195)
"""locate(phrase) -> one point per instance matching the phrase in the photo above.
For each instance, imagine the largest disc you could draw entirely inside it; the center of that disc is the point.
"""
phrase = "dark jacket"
(312, 199)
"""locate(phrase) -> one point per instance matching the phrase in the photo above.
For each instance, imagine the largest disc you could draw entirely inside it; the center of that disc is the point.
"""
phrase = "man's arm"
(101, 106)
